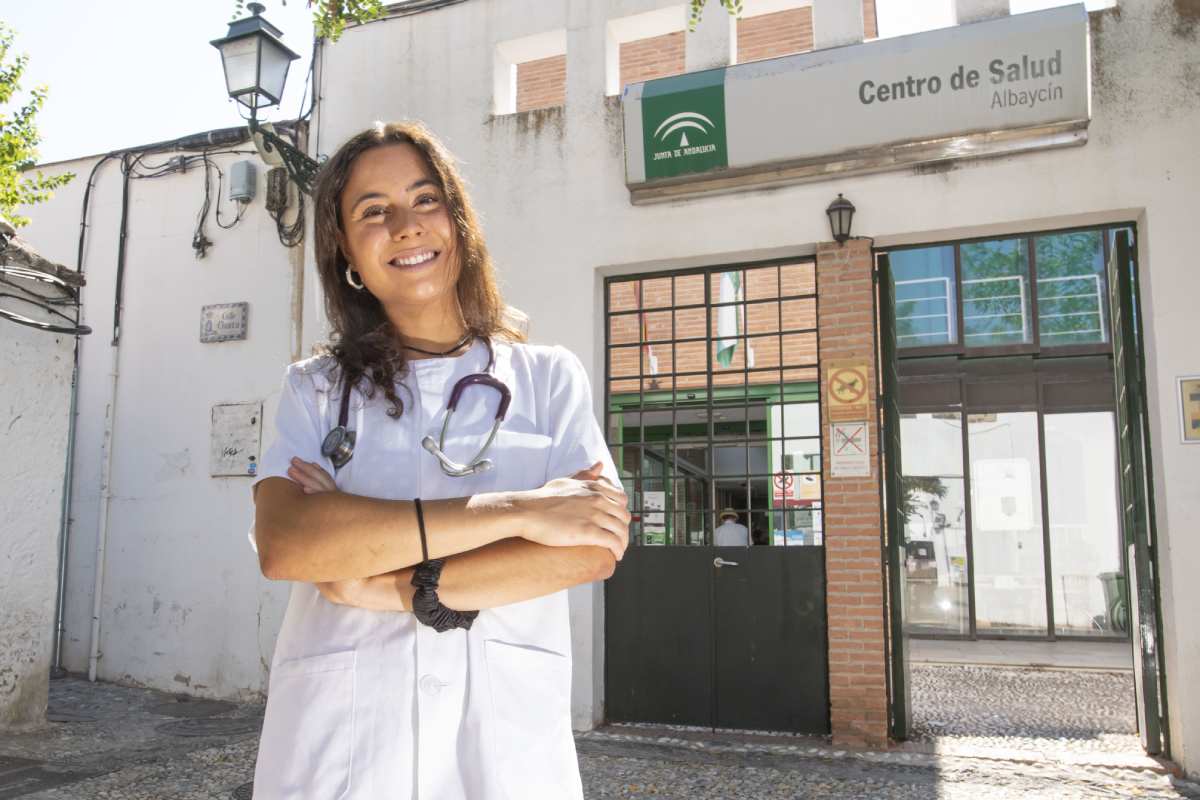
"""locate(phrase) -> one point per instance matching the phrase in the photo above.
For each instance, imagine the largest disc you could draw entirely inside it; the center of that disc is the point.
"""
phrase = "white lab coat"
(365, 705)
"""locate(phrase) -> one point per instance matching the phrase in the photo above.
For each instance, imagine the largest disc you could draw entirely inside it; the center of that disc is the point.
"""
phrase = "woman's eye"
(426, 199)
(373, 211)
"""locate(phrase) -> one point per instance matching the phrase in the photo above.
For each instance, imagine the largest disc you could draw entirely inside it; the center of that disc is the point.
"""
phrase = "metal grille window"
(712, 401)
(992, 296)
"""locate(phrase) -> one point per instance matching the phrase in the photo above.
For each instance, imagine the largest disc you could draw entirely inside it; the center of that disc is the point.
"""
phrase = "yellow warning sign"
(847, 391)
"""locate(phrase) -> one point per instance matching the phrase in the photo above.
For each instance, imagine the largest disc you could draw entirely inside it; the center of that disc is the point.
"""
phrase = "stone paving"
(1074, 710)
(117, 743)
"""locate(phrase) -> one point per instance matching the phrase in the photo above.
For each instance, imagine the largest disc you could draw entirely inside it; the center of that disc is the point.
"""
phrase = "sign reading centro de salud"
(1005, 85)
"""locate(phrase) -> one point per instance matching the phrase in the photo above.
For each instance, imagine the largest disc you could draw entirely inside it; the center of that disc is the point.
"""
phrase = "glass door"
(1006, 523)
(1085, 538)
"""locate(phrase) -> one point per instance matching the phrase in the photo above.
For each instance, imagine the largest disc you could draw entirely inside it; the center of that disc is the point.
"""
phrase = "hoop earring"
(350, 279)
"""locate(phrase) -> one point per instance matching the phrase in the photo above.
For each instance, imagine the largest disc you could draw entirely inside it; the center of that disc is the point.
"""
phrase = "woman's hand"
(312, 477)
(584, 509)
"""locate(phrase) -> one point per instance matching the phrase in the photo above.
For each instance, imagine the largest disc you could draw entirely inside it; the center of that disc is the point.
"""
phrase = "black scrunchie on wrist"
(427, 608)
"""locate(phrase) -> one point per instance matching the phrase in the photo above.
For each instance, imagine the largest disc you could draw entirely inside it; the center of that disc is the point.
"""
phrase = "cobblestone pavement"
(1081, 711)
(136, 744)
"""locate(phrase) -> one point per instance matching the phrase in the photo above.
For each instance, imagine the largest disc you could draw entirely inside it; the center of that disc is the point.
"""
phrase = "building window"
(926, 296)
(982, 295)
(995, 293)
(1070, 285)
(530, 73)
(713, 403)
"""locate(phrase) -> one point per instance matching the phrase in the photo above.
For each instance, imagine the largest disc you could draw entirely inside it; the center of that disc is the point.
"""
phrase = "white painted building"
(35, 397)
(183, 604)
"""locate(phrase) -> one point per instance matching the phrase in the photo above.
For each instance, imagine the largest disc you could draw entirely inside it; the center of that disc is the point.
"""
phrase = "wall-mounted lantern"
(841, 214)
(256, 64)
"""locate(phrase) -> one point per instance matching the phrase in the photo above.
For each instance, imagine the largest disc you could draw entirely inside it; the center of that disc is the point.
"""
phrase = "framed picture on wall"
(1189, 409)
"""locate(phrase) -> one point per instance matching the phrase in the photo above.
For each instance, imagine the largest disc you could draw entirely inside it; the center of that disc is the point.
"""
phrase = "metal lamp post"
(256, 64)
(841, 214)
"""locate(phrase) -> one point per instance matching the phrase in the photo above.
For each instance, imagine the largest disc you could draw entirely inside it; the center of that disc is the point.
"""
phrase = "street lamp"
(841, 213)
(256, 64)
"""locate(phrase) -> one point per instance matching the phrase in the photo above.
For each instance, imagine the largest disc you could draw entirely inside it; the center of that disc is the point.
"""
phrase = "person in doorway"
(731, 533)
(425, 651)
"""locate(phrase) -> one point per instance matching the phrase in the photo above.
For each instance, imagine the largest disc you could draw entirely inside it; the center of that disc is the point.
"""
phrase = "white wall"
(184, 607)
(558, 218)
(35, 396)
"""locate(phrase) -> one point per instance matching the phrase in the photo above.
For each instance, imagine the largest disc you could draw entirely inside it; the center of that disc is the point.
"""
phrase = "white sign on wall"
(235, 439)
(849, 450)
(1013, 83)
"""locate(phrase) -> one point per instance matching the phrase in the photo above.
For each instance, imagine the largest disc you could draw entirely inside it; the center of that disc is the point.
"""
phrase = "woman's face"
(396, 230)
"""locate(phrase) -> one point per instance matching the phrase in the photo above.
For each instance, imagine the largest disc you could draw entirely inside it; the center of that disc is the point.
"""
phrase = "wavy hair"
(363, 340)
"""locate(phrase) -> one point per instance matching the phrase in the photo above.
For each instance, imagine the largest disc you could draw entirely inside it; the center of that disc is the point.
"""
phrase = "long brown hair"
(363, 340)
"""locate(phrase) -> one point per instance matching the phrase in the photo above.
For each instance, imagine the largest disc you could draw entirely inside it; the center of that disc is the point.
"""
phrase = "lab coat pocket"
(520, 462)
(532, 743)
(308, 734)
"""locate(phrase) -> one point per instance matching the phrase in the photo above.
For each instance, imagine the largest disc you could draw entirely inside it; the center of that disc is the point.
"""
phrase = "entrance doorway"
(1018, 498)
(714, 425)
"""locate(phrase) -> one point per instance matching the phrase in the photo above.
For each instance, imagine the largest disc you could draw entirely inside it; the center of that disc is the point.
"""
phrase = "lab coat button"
(430, 684)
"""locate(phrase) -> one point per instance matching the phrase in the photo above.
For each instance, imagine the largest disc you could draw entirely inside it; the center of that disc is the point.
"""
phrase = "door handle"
(720, 562)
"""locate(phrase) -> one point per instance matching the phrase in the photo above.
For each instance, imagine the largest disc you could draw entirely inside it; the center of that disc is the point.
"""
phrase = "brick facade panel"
(772, 35)
(542, 83)
(655, 57)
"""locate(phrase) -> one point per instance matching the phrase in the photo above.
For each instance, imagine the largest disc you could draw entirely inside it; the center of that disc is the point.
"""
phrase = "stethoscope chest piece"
(338, 446)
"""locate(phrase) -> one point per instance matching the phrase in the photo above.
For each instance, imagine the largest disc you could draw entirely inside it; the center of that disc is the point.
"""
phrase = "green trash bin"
(1114, 601)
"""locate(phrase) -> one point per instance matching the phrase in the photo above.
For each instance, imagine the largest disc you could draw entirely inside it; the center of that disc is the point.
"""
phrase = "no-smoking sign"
(846, 390)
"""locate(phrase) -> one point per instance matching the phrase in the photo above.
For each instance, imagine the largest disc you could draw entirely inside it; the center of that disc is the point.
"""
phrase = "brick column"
(853, 544)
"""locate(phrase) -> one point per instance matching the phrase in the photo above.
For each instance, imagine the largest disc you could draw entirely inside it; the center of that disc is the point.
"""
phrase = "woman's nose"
(402, 225)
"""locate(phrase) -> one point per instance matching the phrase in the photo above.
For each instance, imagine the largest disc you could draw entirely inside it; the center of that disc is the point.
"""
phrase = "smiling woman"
(392, 216)
(426, 648)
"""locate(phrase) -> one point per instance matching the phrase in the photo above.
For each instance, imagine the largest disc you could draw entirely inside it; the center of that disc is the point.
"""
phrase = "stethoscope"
(338, 445)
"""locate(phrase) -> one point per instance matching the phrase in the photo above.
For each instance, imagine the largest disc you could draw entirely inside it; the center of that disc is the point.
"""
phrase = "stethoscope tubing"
(338, 445)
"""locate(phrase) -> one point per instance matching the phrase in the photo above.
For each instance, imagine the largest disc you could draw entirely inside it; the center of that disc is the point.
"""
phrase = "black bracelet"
(421, 528)
(427, 608)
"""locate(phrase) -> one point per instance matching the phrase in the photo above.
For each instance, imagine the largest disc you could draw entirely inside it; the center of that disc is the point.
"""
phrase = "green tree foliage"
(19, 139)
(918, 490)
(734, 7)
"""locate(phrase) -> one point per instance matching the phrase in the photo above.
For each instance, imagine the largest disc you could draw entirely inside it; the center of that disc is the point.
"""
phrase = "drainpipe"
(64, 528)
(105, 497)
(109, 423)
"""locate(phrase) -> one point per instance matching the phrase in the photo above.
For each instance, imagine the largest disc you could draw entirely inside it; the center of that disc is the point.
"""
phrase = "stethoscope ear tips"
(483, 466)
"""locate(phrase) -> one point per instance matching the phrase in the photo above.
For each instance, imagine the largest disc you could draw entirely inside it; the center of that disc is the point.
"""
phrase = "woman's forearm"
(497, 574)
(333, 536)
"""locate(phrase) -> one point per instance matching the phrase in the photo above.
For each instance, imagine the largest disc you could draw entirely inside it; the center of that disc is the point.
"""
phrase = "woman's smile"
(414, 259)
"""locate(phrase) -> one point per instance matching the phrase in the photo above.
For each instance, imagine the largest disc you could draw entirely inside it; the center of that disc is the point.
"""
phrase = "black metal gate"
(1137, 493)
(691, 643)
(715, 427)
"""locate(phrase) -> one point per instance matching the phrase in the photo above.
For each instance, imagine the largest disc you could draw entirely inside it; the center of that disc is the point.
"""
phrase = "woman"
(365, 700)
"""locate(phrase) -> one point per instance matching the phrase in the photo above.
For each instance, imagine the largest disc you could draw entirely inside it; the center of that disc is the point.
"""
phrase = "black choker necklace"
(458, 346)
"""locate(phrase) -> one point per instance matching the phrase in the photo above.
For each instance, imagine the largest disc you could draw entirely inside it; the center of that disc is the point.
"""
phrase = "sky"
(130, 72)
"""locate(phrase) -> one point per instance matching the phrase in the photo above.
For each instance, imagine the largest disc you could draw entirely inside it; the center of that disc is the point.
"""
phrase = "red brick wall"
(656, 57)
(853, 543)
(870, 22)
(771, 35)
(783, 356)
(542, 83)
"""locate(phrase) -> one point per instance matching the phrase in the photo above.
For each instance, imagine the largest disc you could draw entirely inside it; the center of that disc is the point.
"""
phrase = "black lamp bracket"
(300, 167)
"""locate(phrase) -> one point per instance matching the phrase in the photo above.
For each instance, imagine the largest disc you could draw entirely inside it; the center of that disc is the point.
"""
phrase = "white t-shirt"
(367, 704)
(731, 534)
